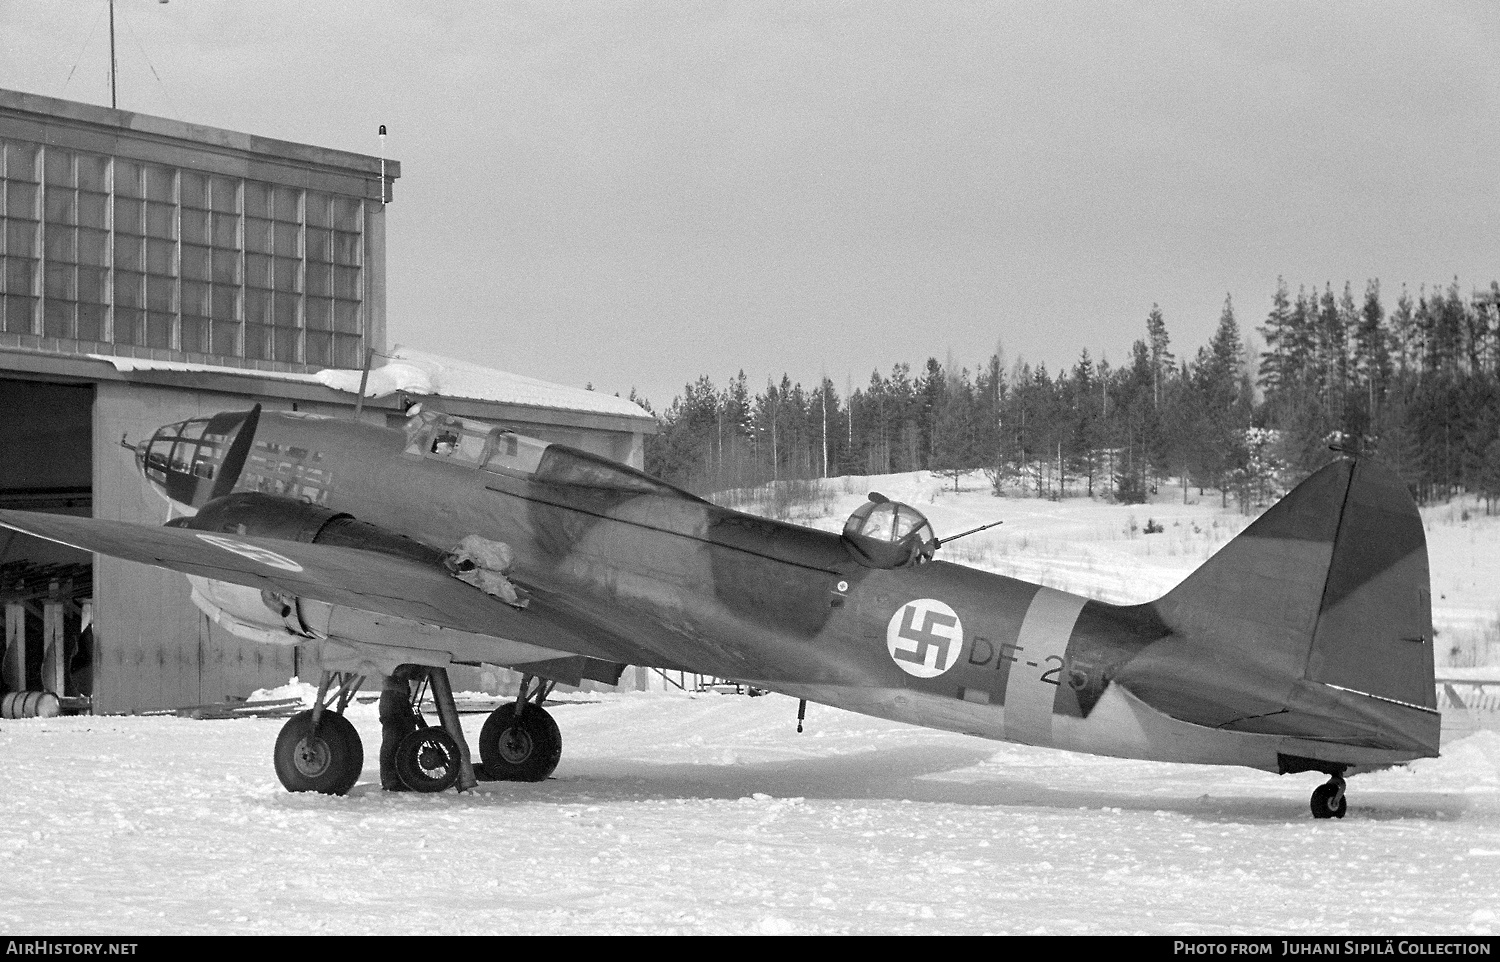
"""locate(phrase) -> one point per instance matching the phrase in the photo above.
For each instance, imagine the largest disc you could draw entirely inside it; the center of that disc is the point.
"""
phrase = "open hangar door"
(46, 589)
(153, 648)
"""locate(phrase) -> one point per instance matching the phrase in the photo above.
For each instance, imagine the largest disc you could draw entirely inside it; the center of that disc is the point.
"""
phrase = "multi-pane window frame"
(335, 293)
(128, 241)
(21, 277)
(59, 245)
(95, 265)
(76, 245)
(274, 264)
(212, 263)
(144, 255)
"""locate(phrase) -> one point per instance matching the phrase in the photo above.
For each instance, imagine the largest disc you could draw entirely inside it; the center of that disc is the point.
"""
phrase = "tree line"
(1417, 386)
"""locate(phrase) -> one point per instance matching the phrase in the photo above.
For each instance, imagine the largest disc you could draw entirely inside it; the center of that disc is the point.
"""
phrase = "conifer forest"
(1415, 383)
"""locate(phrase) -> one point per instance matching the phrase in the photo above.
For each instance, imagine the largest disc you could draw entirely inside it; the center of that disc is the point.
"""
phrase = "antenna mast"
(382, 164)
(113, 103)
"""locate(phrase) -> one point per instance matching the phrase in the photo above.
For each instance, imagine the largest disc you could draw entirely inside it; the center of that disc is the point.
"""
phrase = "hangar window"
(242, 267)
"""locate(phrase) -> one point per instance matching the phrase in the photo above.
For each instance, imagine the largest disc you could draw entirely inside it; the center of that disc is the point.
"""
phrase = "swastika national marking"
(925, 638)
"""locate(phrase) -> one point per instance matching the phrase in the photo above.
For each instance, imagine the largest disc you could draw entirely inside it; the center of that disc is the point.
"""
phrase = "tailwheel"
(1328, 799)
(327, 759)
(428, 760)
(519, 745)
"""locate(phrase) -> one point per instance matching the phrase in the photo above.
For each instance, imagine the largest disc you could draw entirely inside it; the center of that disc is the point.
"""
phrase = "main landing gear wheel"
(1328, 799)
(427, 760)
(524, 749)
(328, 762)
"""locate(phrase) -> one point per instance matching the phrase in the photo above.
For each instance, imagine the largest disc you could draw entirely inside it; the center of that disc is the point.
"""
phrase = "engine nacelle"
(264, 617)
(261, 515)
(273, 516)
(270, 617)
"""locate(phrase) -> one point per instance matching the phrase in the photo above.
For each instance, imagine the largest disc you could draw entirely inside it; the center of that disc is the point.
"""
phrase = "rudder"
(1374, 632)
(1329, 586)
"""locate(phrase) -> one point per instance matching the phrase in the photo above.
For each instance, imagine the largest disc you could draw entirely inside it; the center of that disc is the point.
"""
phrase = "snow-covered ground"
(710, 814)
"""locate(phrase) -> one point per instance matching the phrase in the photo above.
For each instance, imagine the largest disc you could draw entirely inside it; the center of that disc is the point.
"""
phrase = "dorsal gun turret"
(883, 533)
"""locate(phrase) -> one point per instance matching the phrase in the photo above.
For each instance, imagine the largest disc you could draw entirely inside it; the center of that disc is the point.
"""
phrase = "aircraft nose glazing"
(199, 459)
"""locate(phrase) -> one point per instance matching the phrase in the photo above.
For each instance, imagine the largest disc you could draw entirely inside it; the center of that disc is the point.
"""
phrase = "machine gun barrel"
(965, 534)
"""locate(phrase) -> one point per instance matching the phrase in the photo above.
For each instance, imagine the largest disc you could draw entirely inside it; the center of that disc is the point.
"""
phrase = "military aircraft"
(1304, 645)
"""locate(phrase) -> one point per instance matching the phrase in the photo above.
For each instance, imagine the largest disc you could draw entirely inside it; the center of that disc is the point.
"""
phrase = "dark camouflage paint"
(1309, 624)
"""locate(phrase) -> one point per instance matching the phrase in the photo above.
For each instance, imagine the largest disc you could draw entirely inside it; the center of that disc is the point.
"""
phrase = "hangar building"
(152, 271)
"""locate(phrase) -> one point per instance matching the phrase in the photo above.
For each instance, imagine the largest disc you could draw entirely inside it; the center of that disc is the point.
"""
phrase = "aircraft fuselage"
(668, 580)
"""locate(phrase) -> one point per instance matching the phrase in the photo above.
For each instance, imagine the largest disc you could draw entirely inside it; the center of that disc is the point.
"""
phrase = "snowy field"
(709, 814)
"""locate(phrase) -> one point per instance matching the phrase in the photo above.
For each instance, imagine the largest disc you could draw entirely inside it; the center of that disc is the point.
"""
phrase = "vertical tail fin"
(1316, 620)
(1374, 632)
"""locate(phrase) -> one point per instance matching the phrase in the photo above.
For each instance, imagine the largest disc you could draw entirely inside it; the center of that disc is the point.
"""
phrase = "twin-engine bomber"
(1304, 645)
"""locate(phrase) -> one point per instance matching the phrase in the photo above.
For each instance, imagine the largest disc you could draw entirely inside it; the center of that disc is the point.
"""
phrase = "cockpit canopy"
(889, 534)
(475, 444)
(198, 459)
(472, 443)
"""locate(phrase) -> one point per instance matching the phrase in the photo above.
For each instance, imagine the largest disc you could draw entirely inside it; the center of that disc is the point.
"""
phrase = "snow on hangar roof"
(420, 374)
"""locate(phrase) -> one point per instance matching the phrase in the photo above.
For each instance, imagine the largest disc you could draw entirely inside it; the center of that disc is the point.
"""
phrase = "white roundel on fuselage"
(254, 552)
(925, 638)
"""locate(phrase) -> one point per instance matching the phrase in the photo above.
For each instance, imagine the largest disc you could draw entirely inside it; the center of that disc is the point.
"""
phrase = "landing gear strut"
(435, 758)
(520, 742)
(428, 760)
(1328, 799)
(318, 750)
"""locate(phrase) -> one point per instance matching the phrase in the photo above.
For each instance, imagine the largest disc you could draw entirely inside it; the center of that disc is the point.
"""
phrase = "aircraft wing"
(349, 577)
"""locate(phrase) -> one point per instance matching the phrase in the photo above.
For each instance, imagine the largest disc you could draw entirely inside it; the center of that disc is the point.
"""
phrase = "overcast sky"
(634, 194)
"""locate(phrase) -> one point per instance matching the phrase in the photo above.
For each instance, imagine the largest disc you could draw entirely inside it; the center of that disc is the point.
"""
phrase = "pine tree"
(1181, 447)
(1372, 356)
(1404, 336)
(1161, 358)
(1333, 354)
(930, 388)
(1225, 394)
(1137, 415)
(1276, 371)
(989, 415)
(953, 450)
(902, 420)
(1082, 443)
(1302, 338)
